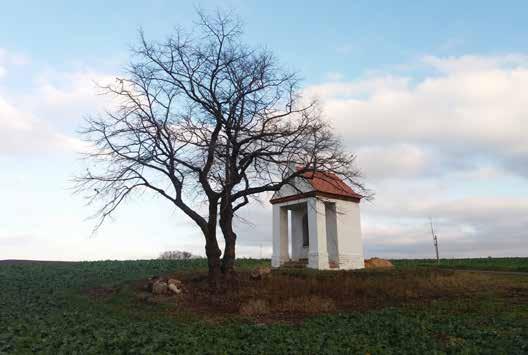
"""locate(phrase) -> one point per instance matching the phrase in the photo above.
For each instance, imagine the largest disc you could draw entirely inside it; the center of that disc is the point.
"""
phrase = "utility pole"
(435, 240)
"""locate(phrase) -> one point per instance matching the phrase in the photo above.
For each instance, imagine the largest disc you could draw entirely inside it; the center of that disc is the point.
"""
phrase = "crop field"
(494, 264)
(97, 307)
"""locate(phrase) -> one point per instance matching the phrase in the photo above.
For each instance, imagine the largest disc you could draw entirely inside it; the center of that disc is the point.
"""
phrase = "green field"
(46, 308)
(495, 264)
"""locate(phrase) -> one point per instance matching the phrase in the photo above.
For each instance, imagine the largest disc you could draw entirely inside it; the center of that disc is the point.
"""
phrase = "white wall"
(302, 186)
(349, 235)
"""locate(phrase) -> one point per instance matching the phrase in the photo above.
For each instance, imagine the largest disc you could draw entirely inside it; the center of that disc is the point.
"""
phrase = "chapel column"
(280, 236)
(318, 254)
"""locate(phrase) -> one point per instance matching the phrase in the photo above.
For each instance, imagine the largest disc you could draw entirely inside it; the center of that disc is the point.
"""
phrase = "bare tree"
(162, 136)
(206, 122)
(176, 255)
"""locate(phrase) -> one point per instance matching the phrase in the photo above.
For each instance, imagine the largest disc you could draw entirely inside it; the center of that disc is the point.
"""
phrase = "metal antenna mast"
(435, 240)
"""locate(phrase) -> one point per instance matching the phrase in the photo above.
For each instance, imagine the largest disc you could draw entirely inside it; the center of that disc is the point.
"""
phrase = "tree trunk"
(213, 253)
(226, 224)
(212, 250)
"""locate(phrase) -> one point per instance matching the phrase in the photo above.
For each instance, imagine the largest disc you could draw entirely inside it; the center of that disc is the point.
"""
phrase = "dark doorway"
(306, 237)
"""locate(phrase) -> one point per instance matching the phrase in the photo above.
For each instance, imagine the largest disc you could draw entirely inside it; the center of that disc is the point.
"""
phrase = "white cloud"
(475, 108)
(67, 96)
(22, 133)
(342, 90)
(398, 160)
(474, 63)
(333, 76)
(8, 58)
(45, 118)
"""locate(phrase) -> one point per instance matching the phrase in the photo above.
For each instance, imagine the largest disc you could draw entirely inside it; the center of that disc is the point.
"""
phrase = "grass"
(93, 308)
(493, 264)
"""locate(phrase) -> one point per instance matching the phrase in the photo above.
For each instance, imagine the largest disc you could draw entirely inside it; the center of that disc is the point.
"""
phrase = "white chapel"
(325, 222)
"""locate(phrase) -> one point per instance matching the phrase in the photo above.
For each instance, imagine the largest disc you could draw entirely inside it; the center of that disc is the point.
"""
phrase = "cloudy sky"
(432, 97)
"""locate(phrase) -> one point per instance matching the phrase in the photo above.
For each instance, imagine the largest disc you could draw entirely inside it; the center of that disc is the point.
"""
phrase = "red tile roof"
(329, 183)
(324, 184)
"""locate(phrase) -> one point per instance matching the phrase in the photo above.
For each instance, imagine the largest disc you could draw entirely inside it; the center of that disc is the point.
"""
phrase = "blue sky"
(351, 37)
(429, 94)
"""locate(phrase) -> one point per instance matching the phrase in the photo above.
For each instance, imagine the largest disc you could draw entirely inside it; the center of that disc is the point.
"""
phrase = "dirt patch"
(291, 295)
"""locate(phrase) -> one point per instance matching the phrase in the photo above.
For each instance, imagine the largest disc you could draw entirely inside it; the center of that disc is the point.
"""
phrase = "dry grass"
(306, 304)
(291, 294)
(254, 307)
(300, 305)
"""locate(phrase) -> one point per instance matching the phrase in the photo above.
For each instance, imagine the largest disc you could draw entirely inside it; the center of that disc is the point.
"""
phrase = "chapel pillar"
(318, 254)
(280, 236)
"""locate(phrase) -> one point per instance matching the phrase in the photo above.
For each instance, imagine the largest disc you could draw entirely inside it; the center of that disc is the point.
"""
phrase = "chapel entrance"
(306, 239)
(309, 234)
(318, 221)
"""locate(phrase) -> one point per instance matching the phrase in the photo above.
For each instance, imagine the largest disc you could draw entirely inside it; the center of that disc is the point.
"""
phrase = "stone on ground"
(176, 282)
(260, 272)
(159, 288)
(175, 286)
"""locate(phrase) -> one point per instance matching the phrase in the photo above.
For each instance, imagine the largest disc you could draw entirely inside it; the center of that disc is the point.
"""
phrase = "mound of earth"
(377, 263)
(290, 295)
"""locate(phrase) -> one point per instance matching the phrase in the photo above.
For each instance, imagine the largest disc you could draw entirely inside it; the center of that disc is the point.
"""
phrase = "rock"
(150, 283)
(175, 289)
(176, 282)
(175, 285)
(377, 263)
(159, 288)
(260, 272)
